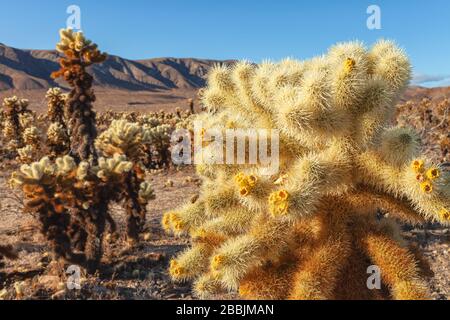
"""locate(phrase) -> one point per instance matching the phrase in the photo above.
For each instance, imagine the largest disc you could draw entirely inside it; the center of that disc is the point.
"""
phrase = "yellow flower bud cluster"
(279, 203)
(175, 269)
(425, 176)
(444, 214)
(245, 183)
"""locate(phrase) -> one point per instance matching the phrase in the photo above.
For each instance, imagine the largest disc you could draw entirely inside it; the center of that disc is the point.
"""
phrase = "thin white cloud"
(427, 80)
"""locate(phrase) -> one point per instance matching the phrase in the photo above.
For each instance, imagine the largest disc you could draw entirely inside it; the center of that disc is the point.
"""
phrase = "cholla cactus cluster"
(17, 128)
(55, 190)
(161, 141)
(124, 137)
(72, 193)
(32, 140)
(311, 230)
(57, 133)
(161, 125)
(155, 147)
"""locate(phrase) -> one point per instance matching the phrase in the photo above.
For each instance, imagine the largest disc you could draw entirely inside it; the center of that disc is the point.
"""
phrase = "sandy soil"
(120, 100)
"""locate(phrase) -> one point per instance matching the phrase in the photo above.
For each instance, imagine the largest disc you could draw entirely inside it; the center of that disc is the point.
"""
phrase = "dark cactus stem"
(81, 115)
(95, 227)
(134, 209)
(8, 252)
(77, 232)
(191, 106)
(55, 228)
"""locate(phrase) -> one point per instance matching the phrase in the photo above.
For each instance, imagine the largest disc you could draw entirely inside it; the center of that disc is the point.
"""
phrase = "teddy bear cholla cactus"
(52, 189)
(71, 194)
(130, 139)
(31, 138)
(161, 141)
(124, 137)
(79, 53)
(17, 119)
(311, 230)
(57, 134)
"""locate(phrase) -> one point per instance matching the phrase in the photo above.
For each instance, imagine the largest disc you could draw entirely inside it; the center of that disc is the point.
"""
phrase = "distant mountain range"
(31, 69)
(22, 70)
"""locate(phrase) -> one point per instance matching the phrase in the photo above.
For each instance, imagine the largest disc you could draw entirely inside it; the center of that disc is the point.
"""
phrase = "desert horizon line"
(418, 75)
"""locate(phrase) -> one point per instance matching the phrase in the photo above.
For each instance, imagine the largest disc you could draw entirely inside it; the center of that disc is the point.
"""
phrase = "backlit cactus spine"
(311, 230)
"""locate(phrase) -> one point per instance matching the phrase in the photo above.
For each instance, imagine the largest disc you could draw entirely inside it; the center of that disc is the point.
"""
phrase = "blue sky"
(238, 29)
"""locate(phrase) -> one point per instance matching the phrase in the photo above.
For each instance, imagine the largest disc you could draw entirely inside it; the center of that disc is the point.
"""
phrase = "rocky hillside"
(31, 69)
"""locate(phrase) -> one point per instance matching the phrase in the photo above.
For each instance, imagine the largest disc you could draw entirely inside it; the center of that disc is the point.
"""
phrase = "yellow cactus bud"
(244, 191)
(178, 225)
(282, 195)
(217, 262)
(426, 186)
(166, 221)
(239, 178)
(175, 270)
(200, 233)
(433, 173)
(444, 215)
(418, 166)
(279, 203)
(349, 65)
(246, 183)
(251, 180)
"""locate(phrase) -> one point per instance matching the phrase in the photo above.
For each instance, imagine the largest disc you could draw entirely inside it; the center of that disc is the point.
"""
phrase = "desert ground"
(119, 100)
